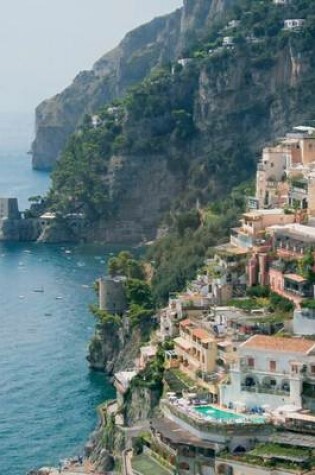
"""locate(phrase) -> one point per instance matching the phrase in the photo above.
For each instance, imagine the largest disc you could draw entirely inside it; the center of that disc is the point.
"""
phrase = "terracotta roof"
(201, 334)
(287, 345)
(186, 323)
(295, 277)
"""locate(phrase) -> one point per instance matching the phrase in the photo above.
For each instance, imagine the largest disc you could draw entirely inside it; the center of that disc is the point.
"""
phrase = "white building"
(184, 61)
(169, 318)
(294, 24)
(228, 41)
(234, 23)
(270, 370)
(96, 121)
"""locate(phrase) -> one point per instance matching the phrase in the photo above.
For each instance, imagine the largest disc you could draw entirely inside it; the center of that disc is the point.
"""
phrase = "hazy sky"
(45, 43)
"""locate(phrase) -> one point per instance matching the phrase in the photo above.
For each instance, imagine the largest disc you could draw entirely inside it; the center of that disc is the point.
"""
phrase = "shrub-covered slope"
(187, 135)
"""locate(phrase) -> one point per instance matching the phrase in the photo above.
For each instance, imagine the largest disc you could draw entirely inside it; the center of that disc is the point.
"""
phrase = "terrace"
(269, 455)
(212, 419)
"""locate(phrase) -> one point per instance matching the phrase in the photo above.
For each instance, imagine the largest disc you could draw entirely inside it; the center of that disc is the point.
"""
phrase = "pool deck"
(237, 417)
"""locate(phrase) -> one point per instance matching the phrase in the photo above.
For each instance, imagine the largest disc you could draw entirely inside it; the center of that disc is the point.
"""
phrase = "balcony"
(244, 368)
(261, 389)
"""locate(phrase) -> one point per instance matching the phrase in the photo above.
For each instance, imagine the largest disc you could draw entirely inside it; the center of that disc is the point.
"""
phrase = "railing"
(189, 416)
(265, 390)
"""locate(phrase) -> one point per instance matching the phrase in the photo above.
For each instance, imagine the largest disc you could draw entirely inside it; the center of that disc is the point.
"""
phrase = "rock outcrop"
(113, 348)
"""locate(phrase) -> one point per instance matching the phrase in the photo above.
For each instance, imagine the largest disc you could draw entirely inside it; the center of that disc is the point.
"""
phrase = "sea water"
(48, 396)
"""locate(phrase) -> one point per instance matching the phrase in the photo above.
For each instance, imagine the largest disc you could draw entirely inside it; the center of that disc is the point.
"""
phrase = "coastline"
(80, 465)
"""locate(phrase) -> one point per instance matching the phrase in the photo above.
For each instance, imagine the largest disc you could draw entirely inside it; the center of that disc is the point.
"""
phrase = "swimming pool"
(213, 413)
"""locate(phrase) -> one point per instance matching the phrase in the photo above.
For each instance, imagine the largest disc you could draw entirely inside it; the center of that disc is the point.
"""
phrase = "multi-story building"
(169, 318)
(252, 232)
(270, 370)
(292, 241)
(292, 157)
(226, 273)
(196, 348)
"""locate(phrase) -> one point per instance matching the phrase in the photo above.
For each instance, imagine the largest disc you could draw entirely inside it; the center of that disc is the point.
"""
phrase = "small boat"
(59, 298)
(41, 289)
(48, 314)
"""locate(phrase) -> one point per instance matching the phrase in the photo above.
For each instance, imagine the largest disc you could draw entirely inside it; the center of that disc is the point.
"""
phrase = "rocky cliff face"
(153, 44)
(187, 135)
(113, 349)
(130, 62)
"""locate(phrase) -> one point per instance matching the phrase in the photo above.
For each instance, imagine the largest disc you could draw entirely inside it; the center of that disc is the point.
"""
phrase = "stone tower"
(9, 208)
(112, 295)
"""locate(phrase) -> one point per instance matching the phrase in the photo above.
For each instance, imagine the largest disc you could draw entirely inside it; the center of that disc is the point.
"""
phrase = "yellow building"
(196, 348)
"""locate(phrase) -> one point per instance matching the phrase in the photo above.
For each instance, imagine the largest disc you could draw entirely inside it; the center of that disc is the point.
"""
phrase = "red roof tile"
(272, 343)
(201, 334)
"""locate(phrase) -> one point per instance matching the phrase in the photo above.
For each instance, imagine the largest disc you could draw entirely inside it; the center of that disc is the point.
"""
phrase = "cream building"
(196, 348)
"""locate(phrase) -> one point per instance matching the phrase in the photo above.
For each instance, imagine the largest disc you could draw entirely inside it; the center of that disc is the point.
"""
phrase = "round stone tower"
(112, 295)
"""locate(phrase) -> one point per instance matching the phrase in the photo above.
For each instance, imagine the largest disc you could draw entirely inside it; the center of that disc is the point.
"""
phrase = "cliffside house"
(147, 354)
(252, 232)
(196, 348)
(169, 318)
(293, 156)
(294, 24)
(270, 370)
(228, 41)
(226, 273)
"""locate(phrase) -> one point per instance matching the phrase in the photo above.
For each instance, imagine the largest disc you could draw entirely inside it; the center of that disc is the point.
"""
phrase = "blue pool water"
(211, 412)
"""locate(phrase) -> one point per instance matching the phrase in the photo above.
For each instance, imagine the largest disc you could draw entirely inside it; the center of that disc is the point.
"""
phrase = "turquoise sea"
(48, 395)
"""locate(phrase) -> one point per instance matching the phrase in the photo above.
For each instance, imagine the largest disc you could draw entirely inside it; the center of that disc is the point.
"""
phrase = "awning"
(295, 277)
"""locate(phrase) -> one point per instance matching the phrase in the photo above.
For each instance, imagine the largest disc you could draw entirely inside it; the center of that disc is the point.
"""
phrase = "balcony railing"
(266, 390)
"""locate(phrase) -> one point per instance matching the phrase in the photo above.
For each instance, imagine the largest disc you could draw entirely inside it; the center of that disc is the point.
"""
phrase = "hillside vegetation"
(186, 135)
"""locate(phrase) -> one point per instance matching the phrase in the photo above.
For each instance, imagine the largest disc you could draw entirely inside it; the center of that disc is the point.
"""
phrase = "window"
(272, 365)
(294, 369)
(313, 369)
(250, 362)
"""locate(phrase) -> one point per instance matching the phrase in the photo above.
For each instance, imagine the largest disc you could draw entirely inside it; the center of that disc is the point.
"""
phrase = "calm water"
(47, 394)
(18, 180)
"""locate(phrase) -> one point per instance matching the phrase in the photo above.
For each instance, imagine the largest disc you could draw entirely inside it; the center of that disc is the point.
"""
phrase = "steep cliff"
(148, 46)
(188, 133)
(114, 349)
